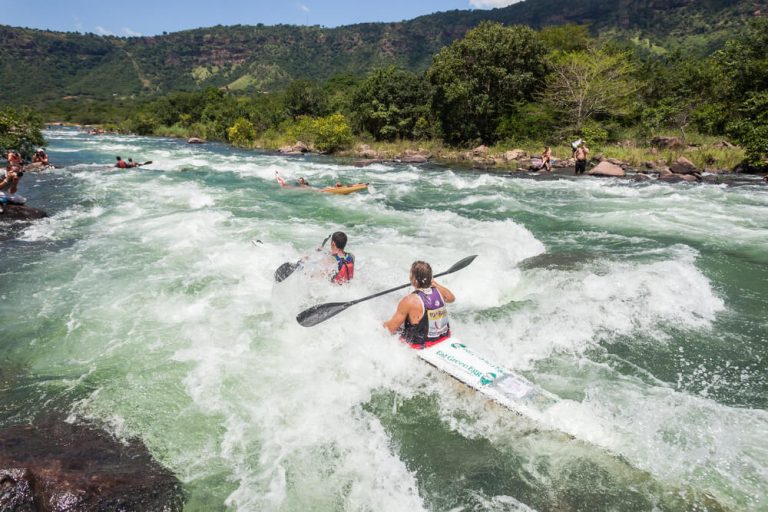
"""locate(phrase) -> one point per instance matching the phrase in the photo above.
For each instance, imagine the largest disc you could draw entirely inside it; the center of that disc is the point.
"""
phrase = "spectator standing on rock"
(581, 154)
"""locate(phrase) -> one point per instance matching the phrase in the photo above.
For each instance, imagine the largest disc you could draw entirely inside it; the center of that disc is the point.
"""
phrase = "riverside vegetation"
(502, 86)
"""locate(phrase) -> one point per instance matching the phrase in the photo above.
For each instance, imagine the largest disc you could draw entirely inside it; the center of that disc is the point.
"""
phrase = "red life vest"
(345, 270)
(121, 164)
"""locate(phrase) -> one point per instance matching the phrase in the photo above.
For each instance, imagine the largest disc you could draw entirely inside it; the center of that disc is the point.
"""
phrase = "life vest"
(345, 268)
(433, 326)
(121, 164)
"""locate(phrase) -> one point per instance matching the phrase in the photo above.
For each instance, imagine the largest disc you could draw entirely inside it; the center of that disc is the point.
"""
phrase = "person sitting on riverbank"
(14, 160)
(121, 164)
(40, 158)
(9, 180)
(421, 317)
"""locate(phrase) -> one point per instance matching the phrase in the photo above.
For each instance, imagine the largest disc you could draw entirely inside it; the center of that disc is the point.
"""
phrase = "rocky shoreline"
(58, 466)
(519, 161)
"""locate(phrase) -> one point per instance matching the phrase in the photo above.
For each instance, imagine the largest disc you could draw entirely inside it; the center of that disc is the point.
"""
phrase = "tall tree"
(305, 98)
(390, 102)
(587, 83)
(481, 77)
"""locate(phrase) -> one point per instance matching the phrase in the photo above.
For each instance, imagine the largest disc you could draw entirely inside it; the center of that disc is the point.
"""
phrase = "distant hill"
(37, 67)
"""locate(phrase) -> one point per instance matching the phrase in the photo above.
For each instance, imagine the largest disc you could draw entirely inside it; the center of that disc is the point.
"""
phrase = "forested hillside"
(39, 67)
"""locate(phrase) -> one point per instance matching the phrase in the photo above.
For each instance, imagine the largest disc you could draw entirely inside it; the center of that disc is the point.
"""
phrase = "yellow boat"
(338, 189)
(345, 189)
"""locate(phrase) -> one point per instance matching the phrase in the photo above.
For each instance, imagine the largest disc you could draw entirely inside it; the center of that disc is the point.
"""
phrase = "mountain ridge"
(41, 66)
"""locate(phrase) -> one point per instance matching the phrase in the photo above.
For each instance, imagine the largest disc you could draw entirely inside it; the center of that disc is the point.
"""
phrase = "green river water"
(145, 304)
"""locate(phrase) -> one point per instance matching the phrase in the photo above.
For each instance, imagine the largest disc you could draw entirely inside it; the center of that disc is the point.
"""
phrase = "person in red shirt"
(121, 164)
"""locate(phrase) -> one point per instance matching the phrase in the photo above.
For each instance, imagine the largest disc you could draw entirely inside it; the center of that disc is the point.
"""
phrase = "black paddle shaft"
(322, 312)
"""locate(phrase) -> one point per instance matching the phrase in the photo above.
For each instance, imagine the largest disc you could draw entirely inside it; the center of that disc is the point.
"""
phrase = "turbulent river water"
(146, 303)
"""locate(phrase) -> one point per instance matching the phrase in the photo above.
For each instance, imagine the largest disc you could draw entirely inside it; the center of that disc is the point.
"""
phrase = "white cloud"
(303, 8)
(491, 4)
(102, 31)
(130, 33)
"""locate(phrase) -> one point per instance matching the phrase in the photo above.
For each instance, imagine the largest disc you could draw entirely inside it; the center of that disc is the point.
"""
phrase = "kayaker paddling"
(421, 317)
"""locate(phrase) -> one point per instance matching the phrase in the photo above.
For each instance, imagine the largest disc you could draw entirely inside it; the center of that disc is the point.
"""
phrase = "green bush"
(242, 133)
(332, 133)
(20, 131)
(594, 134)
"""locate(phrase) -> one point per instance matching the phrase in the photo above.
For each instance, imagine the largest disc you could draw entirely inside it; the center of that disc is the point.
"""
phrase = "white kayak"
(496, 382)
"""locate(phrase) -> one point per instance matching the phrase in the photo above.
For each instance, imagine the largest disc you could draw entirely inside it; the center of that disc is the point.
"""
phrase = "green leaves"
(20, 131)
(390, 104)
(480, 78)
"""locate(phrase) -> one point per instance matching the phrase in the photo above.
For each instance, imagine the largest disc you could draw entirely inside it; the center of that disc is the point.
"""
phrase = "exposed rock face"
(366, 152)
(297, 149)
(55, 466)
(20, 212)
(515, 154)
(667, 142)
(606, 168)
(195, 140)
(683, 166)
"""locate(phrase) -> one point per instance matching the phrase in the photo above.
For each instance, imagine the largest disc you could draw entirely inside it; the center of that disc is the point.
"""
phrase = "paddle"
(323, 312)
(288, 268)
(145, 163)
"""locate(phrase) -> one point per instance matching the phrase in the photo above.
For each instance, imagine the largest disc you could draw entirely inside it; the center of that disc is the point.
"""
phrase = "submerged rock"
(10, 212)
(57, 466)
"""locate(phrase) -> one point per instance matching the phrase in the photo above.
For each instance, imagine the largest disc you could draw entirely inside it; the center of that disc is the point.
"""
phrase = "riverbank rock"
(667, 142)
(683, 166)
(10, 212)
(412, 159)
(515, 154)
(607, 169)
(195, 140)
(56, 466)
(299, 148)
(410, 156)
(564, 163)
(483, 162)
(365, 151)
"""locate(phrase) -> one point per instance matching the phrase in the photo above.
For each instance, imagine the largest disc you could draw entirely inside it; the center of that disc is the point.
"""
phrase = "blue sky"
(150, 17)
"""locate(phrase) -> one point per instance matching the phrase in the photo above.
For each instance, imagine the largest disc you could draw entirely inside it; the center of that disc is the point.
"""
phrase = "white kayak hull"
(496, 382)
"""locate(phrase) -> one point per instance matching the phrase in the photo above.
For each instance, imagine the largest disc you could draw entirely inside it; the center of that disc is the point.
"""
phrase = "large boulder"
(195, 140)
(298, 148)
(481, 162)
(607, 169)
(683, 166)
(53, 465)
(515, 154)
(412, 159)
(10, 212)
(667, 142)
(365, 151)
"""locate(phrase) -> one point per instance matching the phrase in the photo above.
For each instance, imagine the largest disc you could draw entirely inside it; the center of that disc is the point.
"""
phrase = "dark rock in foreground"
(20, 212)
(55, 466)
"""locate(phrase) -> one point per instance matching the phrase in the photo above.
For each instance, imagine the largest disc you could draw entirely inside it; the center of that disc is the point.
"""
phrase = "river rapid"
(146, 303)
